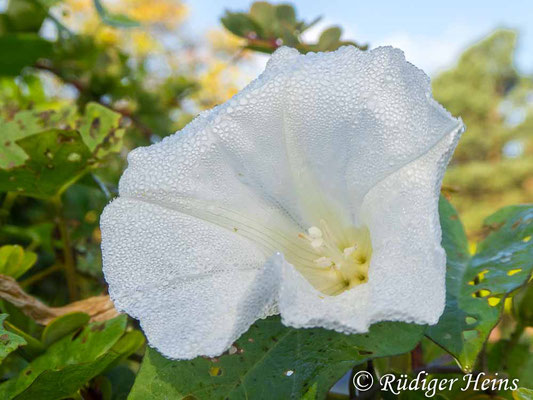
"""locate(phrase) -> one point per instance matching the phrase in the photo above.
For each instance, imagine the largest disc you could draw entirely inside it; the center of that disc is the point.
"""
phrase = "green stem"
(8, 201)
(69, 264)
(41, 275)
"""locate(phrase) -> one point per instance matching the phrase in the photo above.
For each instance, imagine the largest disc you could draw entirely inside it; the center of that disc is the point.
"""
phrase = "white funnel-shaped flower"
(313, 193)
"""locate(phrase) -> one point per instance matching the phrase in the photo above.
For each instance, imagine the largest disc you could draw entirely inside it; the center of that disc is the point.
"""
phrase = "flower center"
(343, 257)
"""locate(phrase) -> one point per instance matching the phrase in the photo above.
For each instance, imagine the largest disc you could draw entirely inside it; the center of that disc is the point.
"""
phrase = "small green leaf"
(329, 39)
(121, 378)
(264, 14)
(240, 24)
(14, 261)
(130, 343)
(56, 160)
(115, 20)
(120, 21)
(9, 341)
(25, 15)
(72, 361)
(21, 50)
(33, 347)
(62, 326)
(44, 153)
(286, 14)
(272, 358)
(100, 130)
(28, 123)
(477, 285)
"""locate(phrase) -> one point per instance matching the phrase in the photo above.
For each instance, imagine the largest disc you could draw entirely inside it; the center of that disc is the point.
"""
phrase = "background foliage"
(82, 82)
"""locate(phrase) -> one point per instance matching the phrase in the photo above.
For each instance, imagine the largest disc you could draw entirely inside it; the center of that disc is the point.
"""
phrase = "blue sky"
(432, 34)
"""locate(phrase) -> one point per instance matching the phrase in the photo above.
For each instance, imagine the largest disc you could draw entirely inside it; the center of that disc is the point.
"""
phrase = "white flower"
(312, 193)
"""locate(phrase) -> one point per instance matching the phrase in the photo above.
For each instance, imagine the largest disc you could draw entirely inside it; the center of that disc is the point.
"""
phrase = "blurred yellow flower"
(217, 83)
(219, 77)
(81, 14)
(222, 41)
(167, 12)
(143, 42)
(79, 5)
(107, 35)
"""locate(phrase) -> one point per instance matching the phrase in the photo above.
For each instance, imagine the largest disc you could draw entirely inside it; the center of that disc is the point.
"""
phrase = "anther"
(349, 250)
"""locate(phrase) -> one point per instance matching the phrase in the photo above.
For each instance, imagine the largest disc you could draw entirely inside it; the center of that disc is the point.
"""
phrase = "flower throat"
(343, 257)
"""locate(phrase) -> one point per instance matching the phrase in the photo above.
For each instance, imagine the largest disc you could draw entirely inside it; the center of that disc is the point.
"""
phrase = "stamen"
(343, 257)
(349, 250)
(314, 232)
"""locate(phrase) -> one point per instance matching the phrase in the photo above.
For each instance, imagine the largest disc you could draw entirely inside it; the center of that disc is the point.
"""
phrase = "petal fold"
(408, 265)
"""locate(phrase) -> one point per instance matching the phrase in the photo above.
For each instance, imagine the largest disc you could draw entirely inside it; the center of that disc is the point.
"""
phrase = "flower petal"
(194, 286)
(313, 129)
(408, 265)
(352, 118)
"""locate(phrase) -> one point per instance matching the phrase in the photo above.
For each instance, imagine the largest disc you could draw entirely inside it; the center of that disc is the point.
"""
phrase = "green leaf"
(62, 326)
(329, 39)
(240, 24)
(523, 394)
(26, 15)
(27, 123)
(14, 261)
(272, 358)
(56, 160)
(33, 347)
(69, 363)
(44, 153)
(121, 378)
(286, 14)
(100, 130)
(130, 343)
(73, 377)
(21, 50)
(9, 341)
(264, 14)
(115, 20)
(477, 285)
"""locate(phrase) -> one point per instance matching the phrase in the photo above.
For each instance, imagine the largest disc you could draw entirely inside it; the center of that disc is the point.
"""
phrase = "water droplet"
(73, 157)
